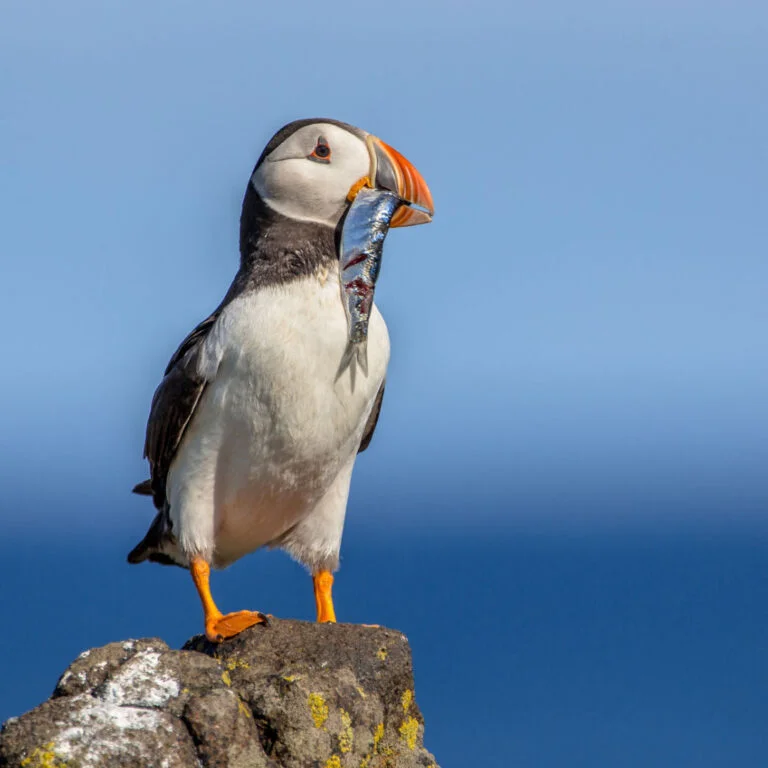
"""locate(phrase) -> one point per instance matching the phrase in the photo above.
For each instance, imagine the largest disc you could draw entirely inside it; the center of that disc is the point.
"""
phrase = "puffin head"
(311, 171)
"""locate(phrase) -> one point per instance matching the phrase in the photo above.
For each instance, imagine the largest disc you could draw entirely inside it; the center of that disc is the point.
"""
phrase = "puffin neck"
(277, 249)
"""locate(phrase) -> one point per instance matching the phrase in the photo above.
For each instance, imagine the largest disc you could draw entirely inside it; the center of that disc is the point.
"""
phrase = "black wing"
(373, 420)
(173, 406)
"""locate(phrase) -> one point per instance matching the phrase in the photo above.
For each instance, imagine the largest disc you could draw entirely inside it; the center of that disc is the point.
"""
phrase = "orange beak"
(391, 171)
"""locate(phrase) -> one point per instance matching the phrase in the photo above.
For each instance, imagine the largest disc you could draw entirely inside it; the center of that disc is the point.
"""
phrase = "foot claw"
(232, 624)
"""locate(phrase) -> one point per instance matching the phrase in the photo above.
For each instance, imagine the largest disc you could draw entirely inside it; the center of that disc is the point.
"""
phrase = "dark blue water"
(531, 648)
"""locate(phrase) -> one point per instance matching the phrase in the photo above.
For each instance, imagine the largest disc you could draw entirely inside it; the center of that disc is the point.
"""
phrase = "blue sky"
(572, 453)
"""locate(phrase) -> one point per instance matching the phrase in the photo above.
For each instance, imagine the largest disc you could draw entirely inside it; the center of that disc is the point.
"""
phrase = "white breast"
(276, 426)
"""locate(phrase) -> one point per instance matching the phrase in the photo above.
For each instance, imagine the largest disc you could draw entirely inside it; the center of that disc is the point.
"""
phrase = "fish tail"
(355, 354)
(346, 359)
(362, 356)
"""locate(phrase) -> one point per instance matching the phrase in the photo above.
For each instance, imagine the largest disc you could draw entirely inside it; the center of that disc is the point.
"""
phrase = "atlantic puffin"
(252, 435)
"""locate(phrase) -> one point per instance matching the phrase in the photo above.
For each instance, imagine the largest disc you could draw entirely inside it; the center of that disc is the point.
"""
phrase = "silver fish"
(362, 243)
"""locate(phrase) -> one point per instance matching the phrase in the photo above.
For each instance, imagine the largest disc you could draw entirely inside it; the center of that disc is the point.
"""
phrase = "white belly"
(276, 426)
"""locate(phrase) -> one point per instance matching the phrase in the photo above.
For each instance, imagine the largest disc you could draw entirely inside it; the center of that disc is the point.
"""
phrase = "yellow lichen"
(378, 735)
(291, 678)
(346, 735)
(406, 700)
(318, 709)
(334, 761)
(382, 653)
(241, 706)
(236, 663)
(225, 678)
(409, 730)
(43, 757)
(362, 693)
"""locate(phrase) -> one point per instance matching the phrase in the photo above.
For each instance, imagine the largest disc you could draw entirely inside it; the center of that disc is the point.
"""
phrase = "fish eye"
(321, 152)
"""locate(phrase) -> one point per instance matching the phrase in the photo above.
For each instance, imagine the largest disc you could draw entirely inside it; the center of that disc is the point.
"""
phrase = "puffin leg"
(323, 583)
(217, 625)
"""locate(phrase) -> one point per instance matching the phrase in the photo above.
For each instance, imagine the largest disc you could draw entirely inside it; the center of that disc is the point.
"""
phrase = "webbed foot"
(218, 628)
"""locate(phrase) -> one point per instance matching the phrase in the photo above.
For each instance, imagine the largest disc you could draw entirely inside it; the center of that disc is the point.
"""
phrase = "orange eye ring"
(322, 152)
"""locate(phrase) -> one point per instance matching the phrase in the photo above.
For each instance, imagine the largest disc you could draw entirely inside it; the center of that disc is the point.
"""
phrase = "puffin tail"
(143, 488)
(159, 545)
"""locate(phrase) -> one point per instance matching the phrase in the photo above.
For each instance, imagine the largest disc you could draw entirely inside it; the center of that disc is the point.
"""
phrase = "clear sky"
(579, 339)
(587, 314)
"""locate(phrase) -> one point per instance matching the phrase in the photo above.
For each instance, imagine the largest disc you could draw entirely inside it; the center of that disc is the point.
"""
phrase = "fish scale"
(362, 244)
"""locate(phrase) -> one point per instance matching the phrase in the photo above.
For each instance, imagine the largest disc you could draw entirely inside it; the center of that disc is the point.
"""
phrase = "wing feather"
(173, 407)
(373, 420)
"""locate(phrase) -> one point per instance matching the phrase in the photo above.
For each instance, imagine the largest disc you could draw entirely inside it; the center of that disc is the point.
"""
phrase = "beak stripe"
(411, 187)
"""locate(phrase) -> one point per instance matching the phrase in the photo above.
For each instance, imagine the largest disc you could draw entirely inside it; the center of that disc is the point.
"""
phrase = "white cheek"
(295, 191)
(311, 191)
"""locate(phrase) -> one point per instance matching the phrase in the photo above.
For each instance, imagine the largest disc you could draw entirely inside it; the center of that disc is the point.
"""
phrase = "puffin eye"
(322, 152)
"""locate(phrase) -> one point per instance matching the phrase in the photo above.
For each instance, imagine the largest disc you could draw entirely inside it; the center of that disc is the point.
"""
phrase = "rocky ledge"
(288, 695)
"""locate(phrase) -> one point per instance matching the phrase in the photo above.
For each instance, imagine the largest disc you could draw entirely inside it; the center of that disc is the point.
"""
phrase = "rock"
(287, 695)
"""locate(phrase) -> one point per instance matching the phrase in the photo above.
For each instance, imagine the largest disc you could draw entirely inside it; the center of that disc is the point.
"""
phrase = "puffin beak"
(391, 171)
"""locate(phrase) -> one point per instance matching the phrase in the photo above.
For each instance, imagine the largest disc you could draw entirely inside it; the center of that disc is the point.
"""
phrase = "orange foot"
(218, 628)
(323, 582)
